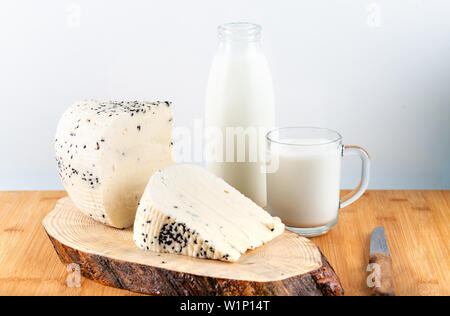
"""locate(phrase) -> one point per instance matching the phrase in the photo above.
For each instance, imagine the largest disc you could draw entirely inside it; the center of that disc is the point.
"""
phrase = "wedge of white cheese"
(107, 151)
(189, 211)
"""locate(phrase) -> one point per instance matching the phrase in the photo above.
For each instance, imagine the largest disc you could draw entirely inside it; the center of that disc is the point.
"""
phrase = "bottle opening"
(239, 31)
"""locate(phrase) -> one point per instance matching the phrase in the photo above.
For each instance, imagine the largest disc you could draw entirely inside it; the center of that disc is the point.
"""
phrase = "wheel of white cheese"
(107, 151)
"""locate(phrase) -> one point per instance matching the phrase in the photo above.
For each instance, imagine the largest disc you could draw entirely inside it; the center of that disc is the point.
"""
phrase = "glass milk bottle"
(240, 110)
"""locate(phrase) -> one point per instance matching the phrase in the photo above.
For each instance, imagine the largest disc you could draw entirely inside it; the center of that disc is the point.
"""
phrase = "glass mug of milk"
(304, 176)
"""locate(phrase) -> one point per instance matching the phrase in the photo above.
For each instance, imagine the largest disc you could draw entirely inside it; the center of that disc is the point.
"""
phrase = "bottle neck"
(239, 38)
(238, 48)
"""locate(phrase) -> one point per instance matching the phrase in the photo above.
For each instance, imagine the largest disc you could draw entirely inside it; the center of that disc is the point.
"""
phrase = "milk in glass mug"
(304, 176)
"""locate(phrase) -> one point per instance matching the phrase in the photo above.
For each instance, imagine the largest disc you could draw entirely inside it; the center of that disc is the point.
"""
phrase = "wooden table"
(417, 226)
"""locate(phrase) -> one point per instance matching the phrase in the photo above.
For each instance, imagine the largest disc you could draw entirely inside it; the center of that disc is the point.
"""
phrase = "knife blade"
(381, 263)
(378, 242)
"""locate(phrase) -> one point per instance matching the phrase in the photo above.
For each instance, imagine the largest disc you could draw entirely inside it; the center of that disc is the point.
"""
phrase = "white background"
(377, 71)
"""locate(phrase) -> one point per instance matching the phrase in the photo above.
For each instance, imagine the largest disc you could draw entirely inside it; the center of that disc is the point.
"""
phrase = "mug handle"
(365, 174)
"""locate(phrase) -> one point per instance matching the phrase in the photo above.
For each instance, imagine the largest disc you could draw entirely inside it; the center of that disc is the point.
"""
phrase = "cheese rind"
(189, 211)
(107, 151)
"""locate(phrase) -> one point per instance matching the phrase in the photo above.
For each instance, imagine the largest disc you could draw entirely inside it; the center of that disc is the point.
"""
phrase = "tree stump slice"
(288, 265)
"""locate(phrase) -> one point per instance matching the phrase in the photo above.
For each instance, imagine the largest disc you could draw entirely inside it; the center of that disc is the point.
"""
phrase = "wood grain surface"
(288, 265)
(417, 226)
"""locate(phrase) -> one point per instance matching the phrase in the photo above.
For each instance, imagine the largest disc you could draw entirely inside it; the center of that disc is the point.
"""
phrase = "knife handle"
(386, 287)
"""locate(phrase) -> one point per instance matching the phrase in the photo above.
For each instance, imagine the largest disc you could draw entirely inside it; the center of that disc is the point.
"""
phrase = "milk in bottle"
(239, 104)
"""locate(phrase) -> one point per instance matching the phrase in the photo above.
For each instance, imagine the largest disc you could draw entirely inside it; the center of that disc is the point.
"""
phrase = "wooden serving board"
(288, 265)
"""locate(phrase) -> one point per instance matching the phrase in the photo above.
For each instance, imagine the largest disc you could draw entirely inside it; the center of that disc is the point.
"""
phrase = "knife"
(381, 260)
